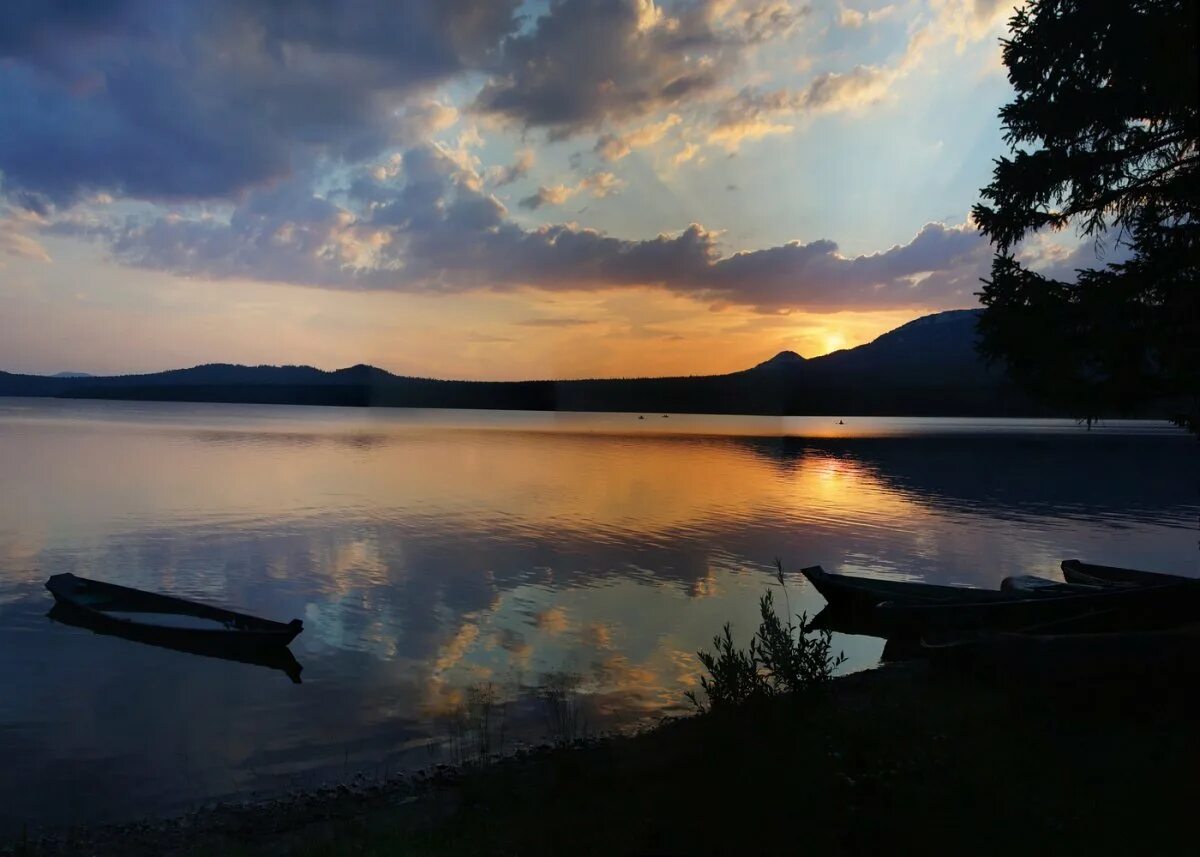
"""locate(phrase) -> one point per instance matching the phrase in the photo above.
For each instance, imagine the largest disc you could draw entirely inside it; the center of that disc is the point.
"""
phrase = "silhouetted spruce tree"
(1104, 135)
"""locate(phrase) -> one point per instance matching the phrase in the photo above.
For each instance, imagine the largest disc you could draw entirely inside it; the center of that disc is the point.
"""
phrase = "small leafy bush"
(783, 658)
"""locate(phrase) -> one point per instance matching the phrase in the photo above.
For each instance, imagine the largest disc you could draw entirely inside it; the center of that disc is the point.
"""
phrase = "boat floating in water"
(860, 595)
(1096, 599)
(1135, 608)
(1077, 571)
(273, 657)
(166, 620)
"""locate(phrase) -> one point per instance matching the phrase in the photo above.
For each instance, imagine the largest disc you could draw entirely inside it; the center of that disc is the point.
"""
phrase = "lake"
(441, 558)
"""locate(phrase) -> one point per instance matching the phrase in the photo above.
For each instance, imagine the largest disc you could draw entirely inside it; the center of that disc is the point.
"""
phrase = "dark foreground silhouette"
(897, 760)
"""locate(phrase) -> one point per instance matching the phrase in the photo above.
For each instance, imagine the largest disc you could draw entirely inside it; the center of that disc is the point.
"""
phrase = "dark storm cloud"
(171, 99)
(588, 61)
(433, 228)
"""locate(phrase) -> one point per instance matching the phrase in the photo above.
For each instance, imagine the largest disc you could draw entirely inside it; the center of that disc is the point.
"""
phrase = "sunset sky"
(487, 188)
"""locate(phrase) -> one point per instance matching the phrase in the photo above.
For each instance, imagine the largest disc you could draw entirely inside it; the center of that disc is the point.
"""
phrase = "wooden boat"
(1076, 571)
(151, 617)
(860, 595)
(273, 657)
(1025, 585)
(1128, 608)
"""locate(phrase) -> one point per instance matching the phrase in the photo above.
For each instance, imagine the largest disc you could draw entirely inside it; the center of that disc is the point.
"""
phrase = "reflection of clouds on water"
(426, 561)
(552, 621)
(704, 587)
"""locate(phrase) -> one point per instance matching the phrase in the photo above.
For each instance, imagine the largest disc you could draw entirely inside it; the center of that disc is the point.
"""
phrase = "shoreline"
(869, 761)
(659, 409)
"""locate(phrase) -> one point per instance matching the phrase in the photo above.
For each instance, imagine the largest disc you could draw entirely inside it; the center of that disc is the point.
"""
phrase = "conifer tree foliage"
(1104, 136)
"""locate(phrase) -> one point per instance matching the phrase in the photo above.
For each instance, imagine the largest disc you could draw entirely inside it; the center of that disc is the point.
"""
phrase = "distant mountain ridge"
(926, 367)
(784, 360)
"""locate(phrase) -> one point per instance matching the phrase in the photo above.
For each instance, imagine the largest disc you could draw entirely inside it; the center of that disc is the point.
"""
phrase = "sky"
(488, 188)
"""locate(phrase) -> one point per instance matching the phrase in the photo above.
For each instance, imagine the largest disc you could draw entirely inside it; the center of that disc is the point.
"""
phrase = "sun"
(834, 341)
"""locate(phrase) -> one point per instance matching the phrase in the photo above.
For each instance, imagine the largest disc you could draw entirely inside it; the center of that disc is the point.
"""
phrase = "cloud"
(687, 153)
(613, 147)
(766, 21)
(177, 100)
(969, 20)
(598, 184)
(425, 117)
(1049, 256)
(587, 62)
(601, 184)
(853, 19)
(753, 114)
(858, 87)
(547, 195)
(15, 242)
(518, 169)
(173, 101)
(434, 228)
(555, 322)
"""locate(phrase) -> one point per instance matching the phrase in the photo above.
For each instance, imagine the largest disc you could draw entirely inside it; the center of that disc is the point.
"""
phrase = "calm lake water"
(434, 553)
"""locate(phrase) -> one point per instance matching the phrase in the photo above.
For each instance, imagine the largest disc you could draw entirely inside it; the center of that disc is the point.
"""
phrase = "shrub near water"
(783, 658)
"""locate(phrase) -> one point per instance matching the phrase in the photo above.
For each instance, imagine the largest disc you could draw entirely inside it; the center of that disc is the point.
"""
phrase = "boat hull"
(862, 594)
(853, 600)
(1075, 571)
(1132, 609)
(94, 602)
(272, 656)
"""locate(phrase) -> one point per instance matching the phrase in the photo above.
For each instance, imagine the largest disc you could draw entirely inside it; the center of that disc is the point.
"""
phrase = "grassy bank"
(891, 759)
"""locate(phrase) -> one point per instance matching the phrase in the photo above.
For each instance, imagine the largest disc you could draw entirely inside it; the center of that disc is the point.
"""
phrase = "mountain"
(783, 361)
(71, 375)
(926, 367)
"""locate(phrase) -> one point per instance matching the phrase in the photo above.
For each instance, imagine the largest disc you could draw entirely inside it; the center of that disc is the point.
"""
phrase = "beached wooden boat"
(1026, 585)
(861, 594)
(1076, 571)
(1127, 608)
(151, 617)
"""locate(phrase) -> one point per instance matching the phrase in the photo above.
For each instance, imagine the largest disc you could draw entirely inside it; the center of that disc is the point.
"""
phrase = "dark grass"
(894, 761)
